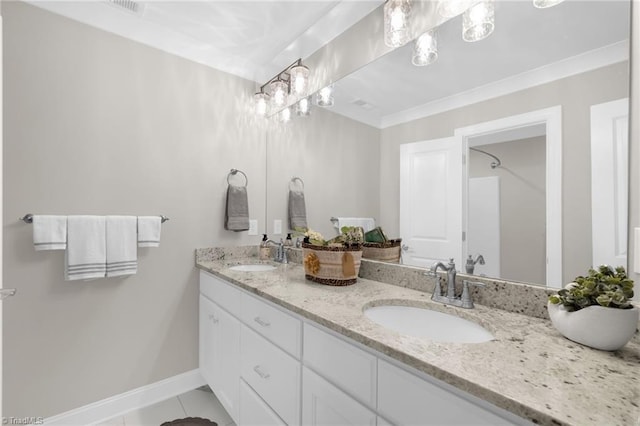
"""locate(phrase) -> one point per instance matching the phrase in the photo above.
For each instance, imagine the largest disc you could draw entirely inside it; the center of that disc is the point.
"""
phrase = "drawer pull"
(261, 373)
(262, 322)
(213, 318)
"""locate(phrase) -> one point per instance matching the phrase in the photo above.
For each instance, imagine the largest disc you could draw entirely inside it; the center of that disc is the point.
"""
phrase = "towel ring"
(233, 172)
(293, 181)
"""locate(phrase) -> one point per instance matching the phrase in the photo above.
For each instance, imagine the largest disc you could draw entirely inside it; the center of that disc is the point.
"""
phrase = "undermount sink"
(428, 324)
(257, 267)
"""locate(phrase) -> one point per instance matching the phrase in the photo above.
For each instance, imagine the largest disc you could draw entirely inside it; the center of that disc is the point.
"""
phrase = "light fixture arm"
(282, 75)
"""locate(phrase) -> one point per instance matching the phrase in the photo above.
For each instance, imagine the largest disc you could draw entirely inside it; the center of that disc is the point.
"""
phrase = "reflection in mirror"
(566, 56)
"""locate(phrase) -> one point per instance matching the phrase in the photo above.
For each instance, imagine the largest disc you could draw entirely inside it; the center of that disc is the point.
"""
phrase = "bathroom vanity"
(278, 349)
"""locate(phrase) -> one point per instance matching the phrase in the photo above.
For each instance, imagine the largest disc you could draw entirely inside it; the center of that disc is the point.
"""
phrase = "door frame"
(552, 119)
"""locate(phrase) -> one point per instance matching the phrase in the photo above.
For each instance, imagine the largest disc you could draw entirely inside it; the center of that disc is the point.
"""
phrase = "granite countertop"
(529, 369)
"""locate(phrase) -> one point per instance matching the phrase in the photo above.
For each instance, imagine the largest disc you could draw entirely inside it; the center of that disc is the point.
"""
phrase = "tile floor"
(196, 403)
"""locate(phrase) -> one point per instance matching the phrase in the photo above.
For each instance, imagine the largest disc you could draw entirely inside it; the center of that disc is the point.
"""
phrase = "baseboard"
(118, 405)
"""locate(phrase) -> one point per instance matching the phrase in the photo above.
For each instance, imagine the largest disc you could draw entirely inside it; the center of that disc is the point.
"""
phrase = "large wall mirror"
(571, 59)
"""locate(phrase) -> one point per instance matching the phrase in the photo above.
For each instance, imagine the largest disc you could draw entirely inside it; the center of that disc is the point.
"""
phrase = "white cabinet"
(274, 375)
(220, 353)
(325, 404)
(254, 411)
(406, 399)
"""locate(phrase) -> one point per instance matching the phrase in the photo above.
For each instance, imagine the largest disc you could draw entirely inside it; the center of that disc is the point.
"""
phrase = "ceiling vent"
(363, 104)
(129, 6)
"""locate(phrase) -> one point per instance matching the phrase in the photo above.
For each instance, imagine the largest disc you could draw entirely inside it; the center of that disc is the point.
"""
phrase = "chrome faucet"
(464, 300)
(471, 264)
(280, 255)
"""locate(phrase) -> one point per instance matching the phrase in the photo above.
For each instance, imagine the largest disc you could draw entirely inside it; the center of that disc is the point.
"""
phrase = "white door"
(483, 224)
(609, 184)
(431, 201)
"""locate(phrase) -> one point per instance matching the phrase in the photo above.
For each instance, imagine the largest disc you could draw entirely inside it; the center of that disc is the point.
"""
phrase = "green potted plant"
(595, 310)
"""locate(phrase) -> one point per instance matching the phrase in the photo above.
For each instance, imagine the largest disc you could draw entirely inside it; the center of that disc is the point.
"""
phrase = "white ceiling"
(257, 39)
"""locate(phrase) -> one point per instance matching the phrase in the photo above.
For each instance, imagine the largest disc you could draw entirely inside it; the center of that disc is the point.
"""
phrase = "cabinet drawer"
(254, 411)
(325, 404)
(345, 365)
(406, 399)
(220, 292)
(279, 327)
(272, 373)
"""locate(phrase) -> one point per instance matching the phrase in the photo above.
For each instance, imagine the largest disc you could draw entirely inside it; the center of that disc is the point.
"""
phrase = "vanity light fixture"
(396, 22)
(478, 21)
(324, 97)
(425, 49)
(543, 4)
(261, 102)
(451, 8)
(303, 107)
(294, 79)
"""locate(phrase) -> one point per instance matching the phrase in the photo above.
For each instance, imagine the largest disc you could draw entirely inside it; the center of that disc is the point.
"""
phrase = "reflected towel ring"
(293, 181)
(233, 172)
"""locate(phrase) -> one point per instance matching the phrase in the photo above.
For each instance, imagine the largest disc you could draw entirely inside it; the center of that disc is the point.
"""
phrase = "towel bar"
(28, 218)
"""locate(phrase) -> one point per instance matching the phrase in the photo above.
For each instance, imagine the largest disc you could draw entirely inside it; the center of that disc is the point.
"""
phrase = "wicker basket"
(337, 266)
(383, 252)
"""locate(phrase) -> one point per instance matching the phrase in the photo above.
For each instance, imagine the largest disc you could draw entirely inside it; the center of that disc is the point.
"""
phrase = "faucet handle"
(467, 301)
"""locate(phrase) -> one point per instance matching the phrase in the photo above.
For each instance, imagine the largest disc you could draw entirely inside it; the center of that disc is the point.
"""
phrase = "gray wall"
(337, 159)
(522, 205)
(96, 124)
(575, 94)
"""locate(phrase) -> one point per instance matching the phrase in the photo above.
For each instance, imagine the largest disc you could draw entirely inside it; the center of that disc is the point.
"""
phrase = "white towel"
(122, 251)
(149, 231)
(367, 223)
(49, 232)
(86, 255)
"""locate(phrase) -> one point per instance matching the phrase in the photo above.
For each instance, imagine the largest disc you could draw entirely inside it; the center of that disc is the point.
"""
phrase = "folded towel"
(49, 232)
(366, 223)
(122, 254)
(149, 231)
(236, 216)
(297, 210)
(86, 255)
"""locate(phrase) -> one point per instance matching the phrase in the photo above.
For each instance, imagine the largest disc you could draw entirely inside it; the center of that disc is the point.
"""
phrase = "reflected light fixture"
(324, 97)
(261, 102)
(543, 4)
(478, 21)
(294, 79)
(425, 49)
(303, 107)
(285, 115)
(396, 22)
(451, 8)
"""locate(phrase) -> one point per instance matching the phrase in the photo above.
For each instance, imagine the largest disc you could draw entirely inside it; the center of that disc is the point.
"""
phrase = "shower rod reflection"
(494, 164)
(28, 218)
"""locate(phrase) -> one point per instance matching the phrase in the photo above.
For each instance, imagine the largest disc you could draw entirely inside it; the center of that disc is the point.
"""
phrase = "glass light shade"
(285, 115)
(451, 8)
(396, 22)
(425, 50)
(261, 102)
(303, 107)
(478, 21)
(324, 97)
(279, 92)
(543, 4)
(299, 79)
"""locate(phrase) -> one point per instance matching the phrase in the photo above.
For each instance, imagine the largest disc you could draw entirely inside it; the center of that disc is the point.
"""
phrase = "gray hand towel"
(237, 211)
(297, 210)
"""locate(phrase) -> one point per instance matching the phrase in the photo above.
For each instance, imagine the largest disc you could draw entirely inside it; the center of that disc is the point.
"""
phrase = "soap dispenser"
(289, 241)
(264, 248)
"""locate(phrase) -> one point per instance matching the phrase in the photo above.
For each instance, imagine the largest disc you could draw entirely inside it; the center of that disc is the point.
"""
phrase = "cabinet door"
(325, 404)
(406, 399)
(207, 347)
(219, 353)
(254, 411)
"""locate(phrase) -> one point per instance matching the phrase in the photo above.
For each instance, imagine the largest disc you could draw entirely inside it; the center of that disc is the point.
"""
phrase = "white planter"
(602, 328)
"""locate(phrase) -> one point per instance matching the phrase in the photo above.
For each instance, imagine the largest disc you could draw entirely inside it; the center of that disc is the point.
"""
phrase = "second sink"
(428, 324)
